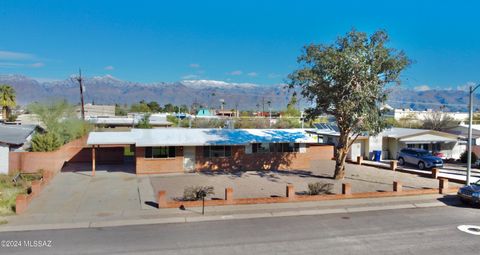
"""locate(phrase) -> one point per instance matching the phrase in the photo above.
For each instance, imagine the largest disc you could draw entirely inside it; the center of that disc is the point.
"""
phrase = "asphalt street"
(404, 231)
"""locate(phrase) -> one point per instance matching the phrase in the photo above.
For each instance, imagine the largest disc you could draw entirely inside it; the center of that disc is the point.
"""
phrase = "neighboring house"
(187, 150)
(205, 113)
(93, 110)
(421, 115)
(226, 113)
(13, 138)
(29, 119)
(156, 120)
(392, 140)
(462, 132)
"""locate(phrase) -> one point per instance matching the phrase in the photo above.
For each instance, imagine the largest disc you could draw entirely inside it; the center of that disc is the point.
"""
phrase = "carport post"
(93, 160)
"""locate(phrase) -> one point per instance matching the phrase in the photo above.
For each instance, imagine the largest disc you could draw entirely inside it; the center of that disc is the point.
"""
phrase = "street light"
(470, 120)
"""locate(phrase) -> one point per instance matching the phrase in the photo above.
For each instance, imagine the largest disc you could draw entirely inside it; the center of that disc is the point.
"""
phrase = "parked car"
(470, 193)
(419, 157)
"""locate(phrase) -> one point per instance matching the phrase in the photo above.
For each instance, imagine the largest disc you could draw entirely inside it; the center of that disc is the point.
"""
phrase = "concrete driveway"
(78, 194)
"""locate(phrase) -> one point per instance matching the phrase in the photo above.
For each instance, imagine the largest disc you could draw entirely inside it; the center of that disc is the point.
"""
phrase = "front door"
(189, 159)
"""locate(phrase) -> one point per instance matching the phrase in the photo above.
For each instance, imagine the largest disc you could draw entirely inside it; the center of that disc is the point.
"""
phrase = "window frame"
(225, 151)
(160, 152)
(277, 148)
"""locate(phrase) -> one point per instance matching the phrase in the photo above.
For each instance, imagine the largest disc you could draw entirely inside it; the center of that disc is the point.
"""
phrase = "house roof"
(199, 137)
(409, 135)
(153, 120)
(395, 132)
(463, 131)
(15, 134)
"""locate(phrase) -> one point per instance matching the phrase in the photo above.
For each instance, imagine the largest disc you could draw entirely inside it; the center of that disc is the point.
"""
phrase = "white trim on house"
(199, 137)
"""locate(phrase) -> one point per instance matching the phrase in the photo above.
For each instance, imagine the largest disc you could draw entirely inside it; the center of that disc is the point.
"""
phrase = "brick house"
(180, 150)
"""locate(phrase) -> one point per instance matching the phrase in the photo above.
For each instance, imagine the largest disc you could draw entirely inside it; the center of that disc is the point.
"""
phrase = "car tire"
(401, 161)
(421, 165)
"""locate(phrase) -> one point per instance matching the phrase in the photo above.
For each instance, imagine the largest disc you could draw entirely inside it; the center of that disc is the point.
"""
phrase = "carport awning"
(427, 138)
(110, 138)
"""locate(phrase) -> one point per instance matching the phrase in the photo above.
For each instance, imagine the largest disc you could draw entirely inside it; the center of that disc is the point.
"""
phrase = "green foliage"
(144, 122)
(291, 110)
(61, 125)
(195, 193)
(154, 106)
(349, 80)
(317, 188)
(120, 111)
(464, 157)
(287, 123)
(252, 123)
(208, 123)
(7, 99)
(9, 190)
(74, 128)
(140, 107)
(46, 142)
(12, 117)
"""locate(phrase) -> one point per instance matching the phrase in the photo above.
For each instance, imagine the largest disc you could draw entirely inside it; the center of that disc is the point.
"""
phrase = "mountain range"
(248, 96)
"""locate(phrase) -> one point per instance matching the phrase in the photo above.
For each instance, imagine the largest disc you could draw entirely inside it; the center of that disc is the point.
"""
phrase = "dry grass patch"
(9, 190)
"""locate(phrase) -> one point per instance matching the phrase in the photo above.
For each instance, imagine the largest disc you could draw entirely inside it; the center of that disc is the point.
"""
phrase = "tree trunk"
(341, 156)
(4, 113)
(340, 164)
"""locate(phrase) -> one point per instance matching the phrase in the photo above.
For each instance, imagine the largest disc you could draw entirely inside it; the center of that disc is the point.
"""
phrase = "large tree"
(349, 80)
(7, 99)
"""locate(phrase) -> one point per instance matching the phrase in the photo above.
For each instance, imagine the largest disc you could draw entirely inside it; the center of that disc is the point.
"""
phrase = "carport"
(105, 140)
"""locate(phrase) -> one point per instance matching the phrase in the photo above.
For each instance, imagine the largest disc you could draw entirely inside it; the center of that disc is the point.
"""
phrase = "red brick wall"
(30, 162)
(238, 161)
(267, 161)
(158, 165)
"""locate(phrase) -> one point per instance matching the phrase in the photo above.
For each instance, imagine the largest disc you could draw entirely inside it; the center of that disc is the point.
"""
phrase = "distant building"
(92, 110)
(204, 112)
(156, 120)
(226, 113)
(29, 119)
(409, 114)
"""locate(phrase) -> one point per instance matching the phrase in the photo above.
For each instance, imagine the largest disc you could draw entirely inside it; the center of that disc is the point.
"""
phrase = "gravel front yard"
(273, 183)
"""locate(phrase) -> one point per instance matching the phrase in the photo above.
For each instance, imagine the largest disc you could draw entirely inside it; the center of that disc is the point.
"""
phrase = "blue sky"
(235, 41)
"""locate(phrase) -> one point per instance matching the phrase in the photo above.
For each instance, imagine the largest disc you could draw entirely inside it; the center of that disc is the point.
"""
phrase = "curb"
(191, 219)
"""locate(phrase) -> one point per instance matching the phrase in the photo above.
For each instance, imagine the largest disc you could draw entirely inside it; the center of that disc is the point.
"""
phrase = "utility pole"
(80, 83)
(469, 146)
(263, 105)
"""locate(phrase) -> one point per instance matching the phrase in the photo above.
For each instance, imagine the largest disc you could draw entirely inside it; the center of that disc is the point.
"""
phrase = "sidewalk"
(159, 216)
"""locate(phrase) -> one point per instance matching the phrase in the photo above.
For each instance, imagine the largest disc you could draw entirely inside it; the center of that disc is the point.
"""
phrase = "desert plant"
(144, 122)
(195, 193)
(316, 188)
(464, 155)
(46, 142)
(7, 100)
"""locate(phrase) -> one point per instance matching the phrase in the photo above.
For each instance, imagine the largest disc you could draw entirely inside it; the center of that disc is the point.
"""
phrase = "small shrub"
(317, 188)
(464, 155)
(194, 193)
(46, 142)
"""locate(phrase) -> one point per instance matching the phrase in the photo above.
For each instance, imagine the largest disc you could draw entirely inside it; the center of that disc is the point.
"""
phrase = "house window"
(275, 147)
(436, 147)
(260, 147)
(160, 152)
(217, 151)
